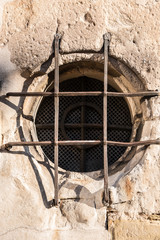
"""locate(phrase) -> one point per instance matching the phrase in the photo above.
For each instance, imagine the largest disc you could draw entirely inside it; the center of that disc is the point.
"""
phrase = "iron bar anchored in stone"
(105, 133)
(76, 94)
(56, 115)
(80, 142)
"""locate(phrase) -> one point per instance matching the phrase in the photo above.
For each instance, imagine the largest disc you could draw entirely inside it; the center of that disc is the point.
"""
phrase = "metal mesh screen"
(70, 113)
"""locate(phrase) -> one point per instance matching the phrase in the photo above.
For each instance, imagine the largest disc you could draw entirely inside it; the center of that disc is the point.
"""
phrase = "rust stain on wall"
(128, 188)
(56, 235)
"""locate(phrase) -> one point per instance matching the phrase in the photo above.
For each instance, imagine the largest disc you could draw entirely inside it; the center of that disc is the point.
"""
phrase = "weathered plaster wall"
(26, 179)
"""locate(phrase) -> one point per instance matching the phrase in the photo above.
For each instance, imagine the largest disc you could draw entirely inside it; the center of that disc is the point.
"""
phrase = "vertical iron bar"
(56, 112)
(82, 129)
(106, 43)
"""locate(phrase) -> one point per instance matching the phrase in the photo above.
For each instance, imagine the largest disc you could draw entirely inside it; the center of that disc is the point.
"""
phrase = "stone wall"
(26, 63)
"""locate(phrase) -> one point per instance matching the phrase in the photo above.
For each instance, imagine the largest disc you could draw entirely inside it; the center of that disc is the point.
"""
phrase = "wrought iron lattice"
(81, 144)
(70, 125)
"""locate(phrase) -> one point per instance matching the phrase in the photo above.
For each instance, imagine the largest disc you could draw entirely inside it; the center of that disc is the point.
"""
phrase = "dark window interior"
(81, 118)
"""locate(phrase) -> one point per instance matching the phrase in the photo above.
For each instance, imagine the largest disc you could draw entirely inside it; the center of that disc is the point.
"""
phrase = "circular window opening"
(81, 118)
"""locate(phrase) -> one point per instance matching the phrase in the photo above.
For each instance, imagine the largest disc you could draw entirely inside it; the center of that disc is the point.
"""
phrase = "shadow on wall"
(3, 77)
(79, 189)
(18, 108)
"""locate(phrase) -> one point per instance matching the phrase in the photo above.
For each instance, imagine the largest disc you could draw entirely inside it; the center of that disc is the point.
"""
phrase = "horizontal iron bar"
(72, 94)
(71, 125)
(94, 142)
(136, 94)
(80, 142)
(96, 125)
(51, 94)
(87, 125)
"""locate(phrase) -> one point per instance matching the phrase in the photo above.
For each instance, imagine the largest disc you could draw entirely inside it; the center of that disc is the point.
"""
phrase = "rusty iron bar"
(81, 142)
(86, 125)
(82, 127)
(105, 153)
(52, 94)
(97, 125)
(134, 94)
(71, 125)
(72, 94)
(56, 116)
(111, 143)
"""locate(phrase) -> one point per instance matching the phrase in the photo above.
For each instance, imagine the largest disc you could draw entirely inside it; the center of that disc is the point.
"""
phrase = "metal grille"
(87, 161)
(70, 114)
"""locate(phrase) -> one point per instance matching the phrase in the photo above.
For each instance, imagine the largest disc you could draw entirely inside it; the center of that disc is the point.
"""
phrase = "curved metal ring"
(70, 108)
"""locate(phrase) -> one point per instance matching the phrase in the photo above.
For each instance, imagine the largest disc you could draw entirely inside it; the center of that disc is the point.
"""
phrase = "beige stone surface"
(33, 24)
(135, 30)
(132, 230)
(34, 234)
(27, 30)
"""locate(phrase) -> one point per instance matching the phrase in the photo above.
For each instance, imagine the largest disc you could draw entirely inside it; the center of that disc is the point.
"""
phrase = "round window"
(81, 118)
